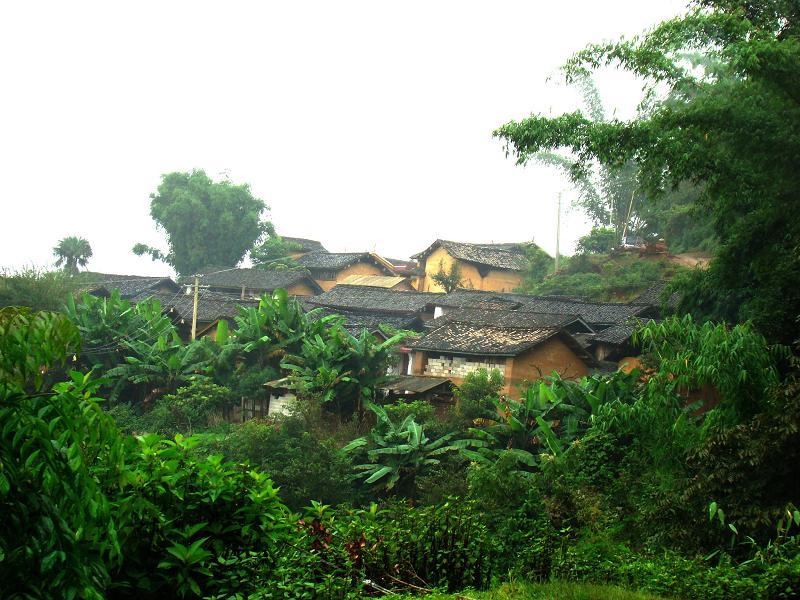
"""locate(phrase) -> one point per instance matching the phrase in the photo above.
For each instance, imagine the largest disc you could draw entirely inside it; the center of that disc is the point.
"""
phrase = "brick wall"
(461, 366)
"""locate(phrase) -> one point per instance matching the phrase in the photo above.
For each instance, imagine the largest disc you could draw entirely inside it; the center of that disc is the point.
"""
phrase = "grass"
(557, 590)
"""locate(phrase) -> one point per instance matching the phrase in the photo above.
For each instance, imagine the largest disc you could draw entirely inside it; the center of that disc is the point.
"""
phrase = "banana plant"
(398, 453)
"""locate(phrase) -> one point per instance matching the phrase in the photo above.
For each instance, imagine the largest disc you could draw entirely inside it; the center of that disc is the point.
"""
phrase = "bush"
(194, 407)
(189, 524)
(598, 240)
(477, 393)
(304, 467)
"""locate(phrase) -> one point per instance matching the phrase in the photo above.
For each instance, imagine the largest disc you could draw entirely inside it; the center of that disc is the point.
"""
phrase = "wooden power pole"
(194, 307)
(558, 232)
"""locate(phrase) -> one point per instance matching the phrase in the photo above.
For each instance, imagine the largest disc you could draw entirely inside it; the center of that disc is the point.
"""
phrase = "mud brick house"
(212, 307)
(521, 354)
(370, 308)
(331, 268)
(488, 267)
(253, 283)
(395, 283)
(378, 300)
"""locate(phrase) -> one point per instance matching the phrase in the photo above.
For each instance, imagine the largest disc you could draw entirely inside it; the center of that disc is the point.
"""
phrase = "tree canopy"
(207, 223)
(72, 252)
(733, 134)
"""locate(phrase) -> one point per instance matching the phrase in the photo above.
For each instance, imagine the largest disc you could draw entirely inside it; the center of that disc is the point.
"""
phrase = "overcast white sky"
(366, 125)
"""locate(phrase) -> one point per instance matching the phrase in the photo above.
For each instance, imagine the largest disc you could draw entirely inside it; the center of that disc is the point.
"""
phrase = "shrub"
(304, 467)
(187, 520)
(194, 407)
(477, 394)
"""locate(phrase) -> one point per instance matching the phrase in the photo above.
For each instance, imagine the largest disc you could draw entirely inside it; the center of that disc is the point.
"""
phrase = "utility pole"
(194, 307)
(558, 232)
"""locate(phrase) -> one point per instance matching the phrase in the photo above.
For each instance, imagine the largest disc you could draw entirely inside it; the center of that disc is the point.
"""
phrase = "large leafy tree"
(207, 223)
(72, 252)
(734, 135)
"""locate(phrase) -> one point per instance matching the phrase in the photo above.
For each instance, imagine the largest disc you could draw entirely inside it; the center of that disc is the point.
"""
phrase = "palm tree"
(72, 252)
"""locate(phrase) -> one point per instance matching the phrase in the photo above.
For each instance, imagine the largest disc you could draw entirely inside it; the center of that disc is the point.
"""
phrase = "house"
(388, 282)
(500, 317)
(301, 246)
(378, 300)
(212, 307)
(488, 267)
(246, 283)
(129, 286)
(406, 268)
(521, 354)
(597, 315)
(331, 268)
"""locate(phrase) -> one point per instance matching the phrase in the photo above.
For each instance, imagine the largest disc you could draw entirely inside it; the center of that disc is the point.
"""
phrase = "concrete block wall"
(461, 366)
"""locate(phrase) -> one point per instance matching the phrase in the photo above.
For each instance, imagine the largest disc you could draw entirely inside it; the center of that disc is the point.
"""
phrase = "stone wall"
(461, 366)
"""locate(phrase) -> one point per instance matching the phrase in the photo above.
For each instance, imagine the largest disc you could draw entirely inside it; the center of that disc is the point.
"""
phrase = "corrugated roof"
(416, 384)
(510, 257)
(382, 281)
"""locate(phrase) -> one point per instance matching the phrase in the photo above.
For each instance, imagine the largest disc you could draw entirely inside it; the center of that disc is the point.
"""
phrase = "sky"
(366, 125)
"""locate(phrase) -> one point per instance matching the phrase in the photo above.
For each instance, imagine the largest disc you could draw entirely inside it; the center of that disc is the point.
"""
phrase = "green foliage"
(732, 132)
(274, 253)
(303, 466)
(108, 327)
(736, 362)
(597, 241)
(338, 369)
(72, 252)
(398, 452)
(478, 394)
(192, 408)
(540, 263)
(161, 367)
(187, 520)
(59, 532)
(448, 280)
(36, 289)
(604, 277)
(207, 223)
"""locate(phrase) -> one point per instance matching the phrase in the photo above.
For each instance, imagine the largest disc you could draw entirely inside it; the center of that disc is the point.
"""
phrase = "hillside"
(615, 276)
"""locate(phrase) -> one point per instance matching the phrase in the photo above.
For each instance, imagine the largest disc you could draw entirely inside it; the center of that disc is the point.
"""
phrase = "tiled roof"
(652, 296)
(256, 279)
(376, 299)
(417, 384)
(505, 318)
(509, 257)
(382, 281)
(620, 333)
(592, 313)
(469, 338)
(403, 266)
(304, 244)
(356, 321)
(336, 261)
(211, 306)
(128, 285)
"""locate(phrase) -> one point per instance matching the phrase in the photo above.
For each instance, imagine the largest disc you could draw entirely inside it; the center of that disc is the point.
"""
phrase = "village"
(480, 323)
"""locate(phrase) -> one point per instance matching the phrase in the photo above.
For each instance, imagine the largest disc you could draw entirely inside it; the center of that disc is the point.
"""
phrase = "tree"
(275, 253)
(735, 135)
(449, 280)
(207, 223)
(72, 252)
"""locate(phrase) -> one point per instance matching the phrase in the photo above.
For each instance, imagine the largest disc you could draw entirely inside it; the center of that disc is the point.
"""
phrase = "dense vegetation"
(728, 126)
(121, 478)
(679, 479)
